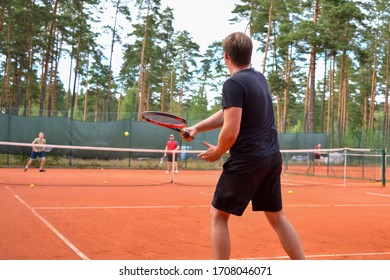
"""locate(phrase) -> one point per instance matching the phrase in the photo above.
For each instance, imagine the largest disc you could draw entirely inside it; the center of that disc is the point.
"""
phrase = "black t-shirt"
(258, 138)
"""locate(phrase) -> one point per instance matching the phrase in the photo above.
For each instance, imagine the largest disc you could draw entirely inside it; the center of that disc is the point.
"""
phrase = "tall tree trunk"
(181, 90)
(118, 114)
(54, 88)
(18, 82)
(110, 67)
(306, 104)
(330, 126)
(251, 18)
(67, 101)
(373, 90)
(51, 87)
(76, 68)
(268, 35)
(7, 78)
(341, 98)
(141, 89)
(386, 114)
(278, 112)
(365, 110)
(2, 15)
(47, 55)
(286, 90)
(163, 89)
(86, 92)
(323, 97)
(312, 98)
(27, 100)
(97, 102)
(147, 108)
(171, 90)
(345, 105)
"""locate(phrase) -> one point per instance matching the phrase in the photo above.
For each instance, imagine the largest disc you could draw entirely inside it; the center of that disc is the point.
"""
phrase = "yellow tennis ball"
(32, 185)
(126, 133)
(105, 182)
(290, 192)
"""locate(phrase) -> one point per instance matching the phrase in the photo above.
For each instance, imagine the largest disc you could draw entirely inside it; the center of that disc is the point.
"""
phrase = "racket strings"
(167, 120)
(164, 119)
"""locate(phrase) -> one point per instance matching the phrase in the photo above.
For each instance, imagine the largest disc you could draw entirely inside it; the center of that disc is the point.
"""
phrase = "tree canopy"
(327, 63)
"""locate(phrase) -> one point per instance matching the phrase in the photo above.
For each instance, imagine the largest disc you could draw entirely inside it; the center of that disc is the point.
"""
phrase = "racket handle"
(185, 134)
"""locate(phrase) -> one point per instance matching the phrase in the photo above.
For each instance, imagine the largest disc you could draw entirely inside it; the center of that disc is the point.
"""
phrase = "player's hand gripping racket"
(167, 120)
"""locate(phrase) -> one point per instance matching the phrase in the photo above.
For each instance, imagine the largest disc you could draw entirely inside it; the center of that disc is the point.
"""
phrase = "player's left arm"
(228, 135)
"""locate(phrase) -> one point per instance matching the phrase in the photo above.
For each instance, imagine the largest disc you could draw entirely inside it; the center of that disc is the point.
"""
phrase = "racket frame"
(179, 127)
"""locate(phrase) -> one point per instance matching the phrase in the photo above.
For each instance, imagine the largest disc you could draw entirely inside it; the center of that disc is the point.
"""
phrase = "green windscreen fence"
(142, 135)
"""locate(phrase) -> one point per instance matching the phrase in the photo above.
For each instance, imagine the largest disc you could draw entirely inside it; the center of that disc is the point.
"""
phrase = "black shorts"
(317, 156)
(170, 157)
(243, 181)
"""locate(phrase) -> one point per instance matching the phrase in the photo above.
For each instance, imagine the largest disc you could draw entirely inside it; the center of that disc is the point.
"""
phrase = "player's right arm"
(227, 137)
(213, 122)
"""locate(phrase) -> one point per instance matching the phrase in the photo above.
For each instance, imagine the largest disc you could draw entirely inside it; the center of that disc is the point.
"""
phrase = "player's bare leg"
(176, 167)
(41, 168)
(287, 234)
(220, 237)
(168, 167)
(28, 165)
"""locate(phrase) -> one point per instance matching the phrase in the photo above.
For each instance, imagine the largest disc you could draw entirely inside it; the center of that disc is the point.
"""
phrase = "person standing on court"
(248, 132)
(172, 145)
(37, 151)
(317, 155)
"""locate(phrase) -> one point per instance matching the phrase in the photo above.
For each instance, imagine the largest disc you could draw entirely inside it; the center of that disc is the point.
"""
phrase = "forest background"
(164, 69)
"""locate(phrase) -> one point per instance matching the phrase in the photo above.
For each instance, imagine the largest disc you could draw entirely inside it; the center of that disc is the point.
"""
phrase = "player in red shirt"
(172, 145)
(317, 156)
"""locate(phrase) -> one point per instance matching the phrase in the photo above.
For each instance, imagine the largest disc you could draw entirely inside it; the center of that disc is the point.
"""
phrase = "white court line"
(194, 206)
(121, 207)
(63, 238)
(336, 205)
(362, 205)
(378, 194)
(323, 256)
(306, 184)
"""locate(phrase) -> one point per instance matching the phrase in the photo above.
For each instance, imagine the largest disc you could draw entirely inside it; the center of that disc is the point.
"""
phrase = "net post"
(173, 167)
(345, 166)
(363, 164)
(383, 167)
(285, 156)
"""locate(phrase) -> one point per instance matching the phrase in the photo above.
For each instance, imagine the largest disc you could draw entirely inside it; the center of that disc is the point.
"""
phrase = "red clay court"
(117, 214)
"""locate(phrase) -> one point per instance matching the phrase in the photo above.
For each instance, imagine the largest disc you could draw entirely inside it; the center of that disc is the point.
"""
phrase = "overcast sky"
(206, 21)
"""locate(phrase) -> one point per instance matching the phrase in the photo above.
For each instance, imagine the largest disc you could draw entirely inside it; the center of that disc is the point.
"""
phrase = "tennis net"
(89, 162)
(82, 165)
(343, 163)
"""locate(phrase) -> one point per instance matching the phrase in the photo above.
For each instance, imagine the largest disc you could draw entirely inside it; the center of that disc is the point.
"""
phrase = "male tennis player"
(37, 151)
(172, 145)
(252, 172)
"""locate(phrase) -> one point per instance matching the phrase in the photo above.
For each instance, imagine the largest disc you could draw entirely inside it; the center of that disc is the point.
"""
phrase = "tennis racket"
(47, 149)
(43, 148)
(167, 120)
(162, 160)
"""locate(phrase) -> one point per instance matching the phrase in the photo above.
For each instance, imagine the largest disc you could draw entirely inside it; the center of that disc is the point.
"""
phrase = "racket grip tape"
(185, 133)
